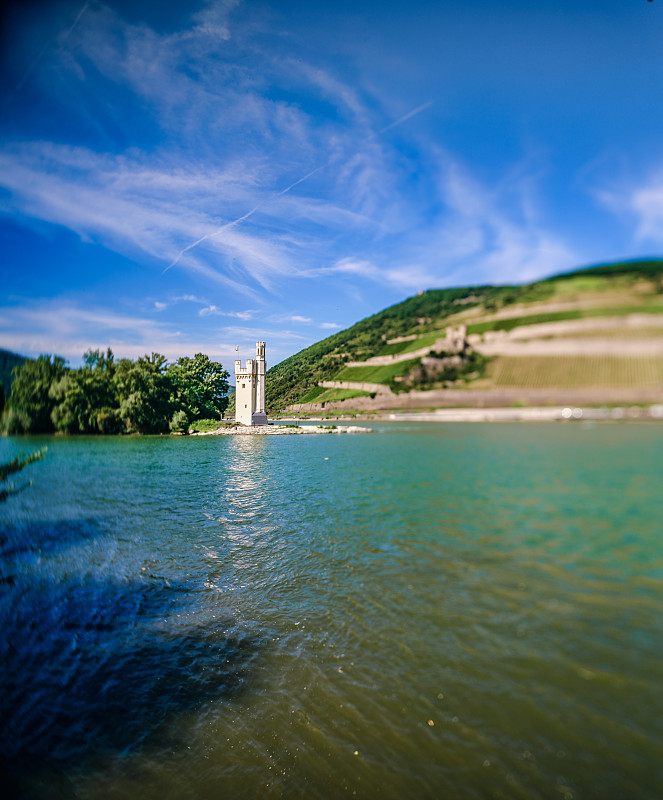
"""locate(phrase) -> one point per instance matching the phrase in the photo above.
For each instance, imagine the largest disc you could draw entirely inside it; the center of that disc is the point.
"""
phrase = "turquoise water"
(429, 611)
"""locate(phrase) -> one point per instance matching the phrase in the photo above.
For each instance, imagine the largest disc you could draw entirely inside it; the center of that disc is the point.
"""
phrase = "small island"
(282, 430)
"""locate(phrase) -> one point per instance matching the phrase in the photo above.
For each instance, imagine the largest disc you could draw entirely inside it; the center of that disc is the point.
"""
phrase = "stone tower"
(250, 389)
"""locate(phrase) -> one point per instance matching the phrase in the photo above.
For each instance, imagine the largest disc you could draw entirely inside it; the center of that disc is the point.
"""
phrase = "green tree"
(145, 394)
(86, 398)
(201, 387)
(30, 401)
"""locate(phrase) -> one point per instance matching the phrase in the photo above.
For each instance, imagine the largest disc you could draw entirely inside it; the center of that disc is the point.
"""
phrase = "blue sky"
(193, 176)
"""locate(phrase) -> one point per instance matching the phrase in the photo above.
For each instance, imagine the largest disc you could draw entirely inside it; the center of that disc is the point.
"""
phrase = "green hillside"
(607, 290)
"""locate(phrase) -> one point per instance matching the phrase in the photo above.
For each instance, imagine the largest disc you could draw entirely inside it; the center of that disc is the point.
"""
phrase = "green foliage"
(14, 422)
(465, 366)
(382, 373)
(313, 395)
(207, 425)
(338, 395)
(428, 340)
(7, 363)
(85, 398)
(294, 378)
(201, 386)
(179, 423)
(110, 397)
(30, 395)
(109, 421)
(145, 394)
(291, 380)
(640, 268)
(14, 466)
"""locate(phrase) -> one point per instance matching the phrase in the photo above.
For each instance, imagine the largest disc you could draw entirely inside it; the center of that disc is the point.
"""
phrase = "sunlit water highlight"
(454, 611)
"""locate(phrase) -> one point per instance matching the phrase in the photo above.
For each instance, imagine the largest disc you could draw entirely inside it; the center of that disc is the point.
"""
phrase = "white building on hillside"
(250, 389)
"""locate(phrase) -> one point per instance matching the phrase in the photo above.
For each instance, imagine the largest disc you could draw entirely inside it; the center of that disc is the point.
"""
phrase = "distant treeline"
(108, 396)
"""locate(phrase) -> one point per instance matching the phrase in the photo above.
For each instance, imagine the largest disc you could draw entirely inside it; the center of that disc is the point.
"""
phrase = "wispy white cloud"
(212, 19)
(407, 276)
(67, 329)
(256, 334)
(330, 87)
(648, 205)
(241, 190)
(101, 198)
(241, 217)
(213, 310)
(640, 204)
(496, 233)
(205, 312)
(352, 266)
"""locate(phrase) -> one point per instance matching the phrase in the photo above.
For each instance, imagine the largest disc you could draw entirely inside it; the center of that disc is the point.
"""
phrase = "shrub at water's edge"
(207, 425)
(106, 396)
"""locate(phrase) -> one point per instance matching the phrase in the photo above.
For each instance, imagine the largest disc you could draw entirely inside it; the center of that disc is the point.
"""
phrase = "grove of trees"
(108, 396)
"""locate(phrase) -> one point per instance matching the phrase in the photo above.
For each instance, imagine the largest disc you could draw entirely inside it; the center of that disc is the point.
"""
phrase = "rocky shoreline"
(284, 430)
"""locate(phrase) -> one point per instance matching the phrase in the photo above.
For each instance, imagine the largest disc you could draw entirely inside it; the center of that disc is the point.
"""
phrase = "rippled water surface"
(429, 611)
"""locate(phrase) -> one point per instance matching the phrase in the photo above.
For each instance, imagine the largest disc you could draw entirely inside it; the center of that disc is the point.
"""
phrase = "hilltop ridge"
(597, 328)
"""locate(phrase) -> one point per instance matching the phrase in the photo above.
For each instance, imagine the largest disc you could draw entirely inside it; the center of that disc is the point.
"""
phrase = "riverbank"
(283, 430)
(511, 414)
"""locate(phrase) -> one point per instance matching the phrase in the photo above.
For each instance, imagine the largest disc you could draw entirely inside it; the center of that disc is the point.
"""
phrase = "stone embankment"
(491, 398)
(617, 336)
(395, 358)
(572, 347)
(373, 388)
(533, 414)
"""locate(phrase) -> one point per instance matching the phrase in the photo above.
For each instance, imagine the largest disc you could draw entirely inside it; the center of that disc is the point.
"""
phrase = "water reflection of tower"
(250, 389)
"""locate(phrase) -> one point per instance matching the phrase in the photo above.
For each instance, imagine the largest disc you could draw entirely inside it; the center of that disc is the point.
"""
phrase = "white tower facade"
(250, 389)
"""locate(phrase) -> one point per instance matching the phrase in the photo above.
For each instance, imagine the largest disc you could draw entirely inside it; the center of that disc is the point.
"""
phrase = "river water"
(428, 611)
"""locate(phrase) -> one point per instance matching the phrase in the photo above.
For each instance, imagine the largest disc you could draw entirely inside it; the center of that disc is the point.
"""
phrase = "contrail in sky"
(34, 64)
(250, 213)
(242, 218)
(406, 117)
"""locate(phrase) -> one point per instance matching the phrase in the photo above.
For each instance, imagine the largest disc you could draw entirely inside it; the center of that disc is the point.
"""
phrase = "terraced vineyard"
(409, 346)
(384, 373)
(544, 372)
(511, 323)
(321, 395)
(579, 309)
